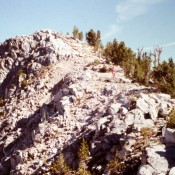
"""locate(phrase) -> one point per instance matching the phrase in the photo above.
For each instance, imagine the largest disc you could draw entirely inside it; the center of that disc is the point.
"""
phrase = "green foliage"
(144, 141)
(2, 113)
(98, 43)
(135, 68)
(139, 67)
(129, 67)
(2, 103)
(146, 132)
(59, 166)
(96, 62)
(133, 98)
(108, 51)
(24, 83)
(83, 153)
(171, 119)
(115, 166)
(20, 73)
(80, 36)
(75, 33)
(82, 170)
(119, 54)
(142, 71)
(98, 35)
(94, 39)
(91, 37)
(164, 76)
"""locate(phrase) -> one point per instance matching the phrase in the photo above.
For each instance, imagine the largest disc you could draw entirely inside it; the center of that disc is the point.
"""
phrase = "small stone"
(123, 111)
(114, 108)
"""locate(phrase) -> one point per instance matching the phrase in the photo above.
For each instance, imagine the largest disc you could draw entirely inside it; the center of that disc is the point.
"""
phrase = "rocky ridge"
(54, 94)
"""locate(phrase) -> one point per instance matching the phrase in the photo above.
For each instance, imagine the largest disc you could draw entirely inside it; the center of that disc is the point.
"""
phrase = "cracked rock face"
(53, 96)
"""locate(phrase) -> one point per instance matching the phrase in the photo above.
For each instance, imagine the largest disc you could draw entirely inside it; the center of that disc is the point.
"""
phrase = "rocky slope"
(53, 94)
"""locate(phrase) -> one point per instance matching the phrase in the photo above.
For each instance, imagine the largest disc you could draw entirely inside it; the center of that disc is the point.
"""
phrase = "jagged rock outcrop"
(54, 95)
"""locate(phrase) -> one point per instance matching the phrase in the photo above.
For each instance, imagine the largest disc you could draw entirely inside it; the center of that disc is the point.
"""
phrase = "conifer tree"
(91, 37)
(84, 150)
(108, 51)
(98, 35)
(75, 33)
(94, 39)
(98, 43)
(80, 36)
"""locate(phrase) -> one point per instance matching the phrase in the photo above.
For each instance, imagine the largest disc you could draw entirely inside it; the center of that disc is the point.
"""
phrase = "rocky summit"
(55, 91)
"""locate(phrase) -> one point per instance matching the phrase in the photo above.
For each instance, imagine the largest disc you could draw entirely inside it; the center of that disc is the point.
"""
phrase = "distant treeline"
(143, 67)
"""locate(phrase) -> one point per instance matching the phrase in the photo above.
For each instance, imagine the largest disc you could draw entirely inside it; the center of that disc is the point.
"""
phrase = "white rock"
(153, 111)
(156, 158)
(155, 98)
(114, 108)
(123, 111)
(74, 90)
(165, 108)
(64, 101)
(55, 128)
(142, 105)
(118, 126)
(145, 170)
(125, 80)
(87, 75)
(172, 171)
(164, 96)
(101, 121)
(139, 120)
(129, 120)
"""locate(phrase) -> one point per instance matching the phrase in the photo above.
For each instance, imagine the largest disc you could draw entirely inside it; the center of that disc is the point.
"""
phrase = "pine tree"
(91, 37)
(83, 155)
(75, 33)
(98, 43)
(108, 51)
(84, 150)
(164, 76)
(80, 36)
(98, 35)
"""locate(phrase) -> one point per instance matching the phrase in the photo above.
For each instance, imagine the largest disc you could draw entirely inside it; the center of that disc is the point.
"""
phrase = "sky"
(139, 23)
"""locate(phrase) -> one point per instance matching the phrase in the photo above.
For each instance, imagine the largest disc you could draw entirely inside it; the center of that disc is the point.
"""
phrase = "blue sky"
(139, 23)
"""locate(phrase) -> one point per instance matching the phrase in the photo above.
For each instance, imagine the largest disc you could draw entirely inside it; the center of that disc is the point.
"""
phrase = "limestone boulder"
(142, 105)
(25, 47)
(156, 158)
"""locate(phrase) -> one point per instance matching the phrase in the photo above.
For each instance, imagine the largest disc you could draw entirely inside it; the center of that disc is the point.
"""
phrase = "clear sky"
(139, 23)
